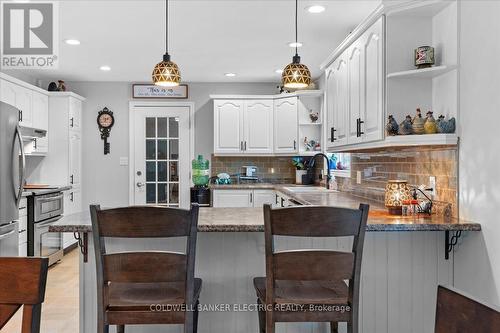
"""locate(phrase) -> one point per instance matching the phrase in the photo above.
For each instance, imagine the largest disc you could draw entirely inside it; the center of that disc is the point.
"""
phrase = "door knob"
(139, 184)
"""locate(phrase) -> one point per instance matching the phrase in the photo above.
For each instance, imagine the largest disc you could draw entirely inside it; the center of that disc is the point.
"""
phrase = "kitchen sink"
(307, 189)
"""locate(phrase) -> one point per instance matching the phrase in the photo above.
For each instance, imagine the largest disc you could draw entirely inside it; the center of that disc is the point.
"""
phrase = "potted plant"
(300, 169)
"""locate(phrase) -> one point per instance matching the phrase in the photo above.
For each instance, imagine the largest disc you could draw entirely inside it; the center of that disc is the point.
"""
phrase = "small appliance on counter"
(201, 196)
(249, 172)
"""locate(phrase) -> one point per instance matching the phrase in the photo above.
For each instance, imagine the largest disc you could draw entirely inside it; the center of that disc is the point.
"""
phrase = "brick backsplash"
(270, 169)
(415, 165)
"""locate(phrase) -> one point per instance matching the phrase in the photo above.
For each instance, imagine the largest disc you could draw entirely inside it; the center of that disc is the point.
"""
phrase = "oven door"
(48, 244)
(47, 206)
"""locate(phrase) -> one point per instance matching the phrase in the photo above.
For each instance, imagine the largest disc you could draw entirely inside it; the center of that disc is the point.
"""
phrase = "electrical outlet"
(432, 185)
(358, 177)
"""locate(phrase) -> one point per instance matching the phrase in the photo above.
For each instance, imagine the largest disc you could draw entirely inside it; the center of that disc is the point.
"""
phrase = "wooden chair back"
(145, 222)
(23, 282)
(309, 265)
(456, 313)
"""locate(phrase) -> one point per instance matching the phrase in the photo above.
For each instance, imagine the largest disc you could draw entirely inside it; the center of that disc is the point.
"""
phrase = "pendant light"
(166, 73)
(296, 75)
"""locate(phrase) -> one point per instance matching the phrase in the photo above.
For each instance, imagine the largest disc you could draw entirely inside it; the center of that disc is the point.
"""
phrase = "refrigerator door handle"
(22, 178)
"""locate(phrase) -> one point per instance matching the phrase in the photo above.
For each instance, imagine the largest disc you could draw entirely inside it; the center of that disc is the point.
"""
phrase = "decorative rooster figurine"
(406, 128)
(418, 123)
(392, 126)
(446, 126)
(430, 126)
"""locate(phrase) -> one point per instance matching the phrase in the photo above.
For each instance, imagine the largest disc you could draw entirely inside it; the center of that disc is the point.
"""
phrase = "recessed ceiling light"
(295, 44)
(315, 9)
(279, 71)
(105, 68)
(72, 41)
(230, 74)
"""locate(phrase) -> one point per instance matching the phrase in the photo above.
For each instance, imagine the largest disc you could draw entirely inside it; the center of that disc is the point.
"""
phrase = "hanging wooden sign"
(153, 91)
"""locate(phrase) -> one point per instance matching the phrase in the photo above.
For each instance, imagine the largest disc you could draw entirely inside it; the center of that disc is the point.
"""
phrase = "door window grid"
(162, 161)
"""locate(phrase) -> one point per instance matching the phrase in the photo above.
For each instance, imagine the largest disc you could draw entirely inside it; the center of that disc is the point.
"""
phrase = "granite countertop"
(213, 219)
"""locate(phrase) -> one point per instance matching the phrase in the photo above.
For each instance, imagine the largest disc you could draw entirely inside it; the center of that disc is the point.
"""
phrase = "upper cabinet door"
(258, 127)
(355, 64)
(7, 92)
(228, 123)
(23, 103)
(341, 109)
(373, 40)
(75, 114)
(331, 102)
(285, 125)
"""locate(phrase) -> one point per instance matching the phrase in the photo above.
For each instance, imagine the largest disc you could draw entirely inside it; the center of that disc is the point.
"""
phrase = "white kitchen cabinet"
(40, 107)
(286, 125)
(258, 127)
(232, 198)
(7, 92)
(355, 90)
(262, 197)
(373, 115)
(228, 131)
(243, 126)
(75, 158)
(75, 114)
(20, 97)
(337, 102)
(355, 68)
(72, 204)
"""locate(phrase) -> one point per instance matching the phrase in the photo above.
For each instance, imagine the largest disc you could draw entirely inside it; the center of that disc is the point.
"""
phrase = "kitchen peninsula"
(403, 262)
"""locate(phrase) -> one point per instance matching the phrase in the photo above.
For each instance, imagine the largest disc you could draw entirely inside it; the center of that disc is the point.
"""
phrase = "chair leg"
(195, 317)
(120, 328)
(334, 327)
(269, 322)
(350, 328)
(262, 317)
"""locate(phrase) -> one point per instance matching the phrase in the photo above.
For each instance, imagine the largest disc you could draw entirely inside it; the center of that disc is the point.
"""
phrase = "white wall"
(104, 180)
(477, 260)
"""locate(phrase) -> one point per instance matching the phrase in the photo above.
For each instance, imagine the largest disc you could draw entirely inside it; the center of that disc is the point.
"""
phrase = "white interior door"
(162, 156)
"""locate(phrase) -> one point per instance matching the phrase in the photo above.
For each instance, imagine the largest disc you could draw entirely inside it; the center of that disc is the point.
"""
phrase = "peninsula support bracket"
(83, 243)
(450, 242)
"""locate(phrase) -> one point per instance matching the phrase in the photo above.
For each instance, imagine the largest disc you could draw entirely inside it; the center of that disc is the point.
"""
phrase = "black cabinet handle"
(294, 144)
(360, 131)
(35, 146)
(332, 134)
(251, 197)
(72, 122)
(71, 197)
(245, 146)
(71, 179)
(20, 115)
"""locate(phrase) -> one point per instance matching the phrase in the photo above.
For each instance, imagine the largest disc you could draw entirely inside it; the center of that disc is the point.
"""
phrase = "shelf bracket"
(450, 242)
(83, 243)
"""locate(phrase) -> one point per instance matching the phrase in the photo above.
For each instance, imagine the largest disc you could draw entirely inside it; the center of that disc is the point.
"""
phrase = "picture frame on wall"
(146, 91)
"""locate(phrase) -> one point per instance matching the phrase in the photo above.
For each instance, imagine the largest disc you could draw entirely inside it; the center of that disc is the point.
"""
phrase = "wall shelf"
(422, 73)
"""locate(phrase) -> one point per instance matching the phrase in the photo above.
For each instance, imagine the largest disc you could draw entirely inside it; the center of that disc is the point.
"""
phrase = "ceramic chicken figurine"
(418, 123)
(430, 126)
(406, 128)
(446, 126)
(392, 126)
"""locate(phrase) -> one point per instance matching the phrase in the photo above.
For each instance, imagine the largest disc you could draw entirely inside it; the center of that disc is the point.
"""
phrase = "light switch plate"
(123, 161)
(432, 184)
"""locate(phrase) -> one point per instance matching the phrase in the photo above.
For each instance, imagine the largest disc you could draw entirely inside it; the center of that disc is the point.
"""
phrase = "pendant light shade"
(166, 73)
(296, 75)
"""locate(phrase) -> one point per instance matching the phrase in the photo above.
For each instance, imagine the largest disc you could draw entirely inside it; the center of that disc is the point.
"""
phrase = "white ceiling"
(207, 38)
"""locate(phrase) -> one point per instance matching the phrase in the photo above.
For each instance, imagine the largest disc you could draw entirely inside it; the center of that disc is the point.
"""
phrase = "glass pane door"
(162, 161)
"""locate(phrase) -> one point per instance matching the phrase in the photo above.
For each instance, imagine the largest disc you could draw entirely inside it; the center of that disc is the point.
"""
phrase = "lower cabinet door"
(262, 197)
(232, 198)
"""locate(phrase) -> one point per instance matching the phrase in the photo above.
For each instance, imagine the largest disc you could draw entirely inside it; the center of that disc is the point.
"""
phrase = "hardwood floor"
(60, 309)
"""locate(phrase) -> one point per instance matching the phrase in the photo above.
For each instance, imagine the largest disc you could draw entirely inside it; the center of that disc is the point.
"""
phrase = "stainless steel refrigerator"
(12, 165)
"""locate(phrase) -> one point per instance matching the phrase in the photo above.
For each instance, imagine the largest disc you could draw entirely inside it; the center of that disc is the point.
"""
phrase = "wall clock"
(105, 120)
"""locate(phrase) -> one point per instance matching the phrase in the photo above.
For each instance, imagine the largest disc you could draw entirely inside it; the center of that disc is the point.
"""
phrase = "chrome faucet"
(310, 168)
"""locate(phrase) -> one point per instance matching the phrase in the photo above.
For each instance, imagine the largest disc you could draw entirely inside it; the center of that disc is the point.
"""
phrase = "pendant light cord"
(296, 19)
(166, 26)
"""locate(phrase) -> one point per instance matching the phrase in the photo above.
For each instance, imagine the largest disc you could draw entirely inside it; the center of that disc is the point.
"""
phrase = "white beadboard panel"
(400, 274)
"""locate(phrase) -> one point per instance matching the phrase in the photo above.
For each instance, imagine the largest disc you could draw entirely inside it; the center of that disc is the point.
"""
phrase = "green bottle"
(201, 172)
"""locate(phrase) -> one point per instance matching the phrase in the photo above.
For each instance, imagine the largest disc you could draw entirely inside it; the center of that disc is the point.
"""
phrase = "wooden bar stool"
(22, 283)
(311, 280)
(130, 283)
(457, 313)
